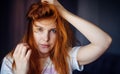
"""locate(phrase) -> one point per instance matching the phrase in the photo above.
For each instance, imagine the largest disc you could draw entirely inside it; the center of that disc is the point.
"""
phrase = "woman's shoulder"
(8, 59)
(6, 66)
(73, 60)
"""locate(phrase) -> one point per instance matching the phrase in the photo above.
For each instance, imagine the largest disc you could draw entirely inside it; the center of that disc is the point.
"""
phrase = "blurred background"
(104, 13)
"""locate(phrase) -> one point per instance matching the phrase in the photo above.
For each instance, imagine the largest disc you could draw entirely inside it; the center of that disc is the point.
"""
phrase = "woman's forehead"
(45, 23)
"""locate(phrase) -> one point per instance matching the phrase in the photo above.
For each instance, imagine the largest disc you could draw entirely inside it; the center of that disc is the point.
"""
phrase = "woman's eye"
(40, 29)
(53, 30)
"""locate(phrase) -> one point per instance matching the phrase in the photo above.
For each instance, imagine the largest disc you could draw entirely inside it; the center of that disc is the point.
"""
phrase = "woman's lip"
(44, 45)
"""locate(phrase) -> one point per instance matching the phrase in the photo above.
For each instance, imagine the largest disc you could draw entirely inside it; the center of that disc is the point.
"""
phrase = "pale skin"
(45, 36)
(21, 57)
(99, 40)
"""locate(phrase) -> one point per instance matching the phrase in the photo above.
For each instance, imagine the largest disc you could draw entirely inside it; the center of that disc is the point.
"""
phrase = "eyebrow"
(42, 27)
(36, 25)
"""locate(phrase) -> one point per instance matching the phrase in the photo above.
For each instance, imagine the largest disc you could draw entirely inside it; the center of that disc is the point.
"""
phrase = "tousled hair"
(65, 40)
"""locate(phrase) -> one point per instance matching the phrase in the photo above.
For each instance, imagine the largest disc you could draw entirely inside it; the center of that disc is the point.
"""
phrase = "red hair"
(59, 54)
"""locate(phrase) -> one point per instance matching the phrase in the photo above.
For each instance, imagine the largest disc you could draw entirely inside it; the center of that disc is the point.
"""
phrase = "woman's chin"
(44, 53)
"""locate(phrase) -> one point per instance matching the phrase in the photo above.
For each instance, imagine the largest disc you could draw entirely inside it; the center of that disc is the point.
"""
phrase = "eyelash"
(40, 30)
(53, 30)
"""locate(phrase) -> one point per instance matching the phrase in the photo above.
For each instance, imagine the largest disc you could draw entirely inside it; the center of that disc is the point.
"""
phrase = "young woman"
(47, 47)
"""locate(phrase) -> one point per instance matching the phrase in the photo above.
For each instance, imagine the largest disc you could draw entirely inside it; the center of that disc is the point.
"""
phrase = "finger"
(24, 50)
(28, 54)
(44, 1)
(25, 44)
(17, 51)
(21, 47)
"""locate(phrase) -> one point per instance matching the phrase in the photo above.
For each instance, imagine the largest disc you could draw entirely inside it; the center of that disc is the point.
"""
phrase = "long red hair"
(59, 54)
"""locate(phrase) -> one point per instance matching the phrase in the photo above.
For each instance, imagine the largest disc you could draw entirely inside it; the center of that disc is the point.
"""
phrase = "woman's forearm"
(94, 34)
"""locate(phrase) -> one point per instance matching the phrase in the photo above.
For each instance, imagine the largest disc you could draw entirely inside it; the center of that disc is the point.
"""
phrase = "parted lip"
(44, 45)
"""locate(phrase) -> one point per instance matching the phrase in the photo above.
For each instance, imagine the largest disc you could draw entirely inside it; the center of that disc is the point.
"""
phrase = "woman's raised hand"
(50, 1)
(21, 57)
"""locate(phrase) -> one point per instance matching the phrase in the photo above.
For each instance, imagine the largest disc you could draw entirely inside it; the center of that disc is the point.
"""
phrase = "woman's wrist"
(61, 9)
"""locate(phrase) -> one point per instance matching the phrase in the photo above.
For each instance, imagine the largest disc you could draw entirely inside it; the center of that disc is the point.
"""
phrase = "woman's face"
(44, 32)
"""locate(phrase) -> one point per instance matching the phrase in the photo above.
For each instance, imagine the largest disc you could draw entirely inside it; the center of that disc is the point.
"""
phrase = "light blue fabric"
(6, 67)
(73, 59)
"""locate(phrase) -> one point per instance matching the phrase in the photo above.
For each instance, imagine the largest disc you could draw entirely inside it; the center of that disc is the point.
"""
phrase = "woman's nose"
(46, 36)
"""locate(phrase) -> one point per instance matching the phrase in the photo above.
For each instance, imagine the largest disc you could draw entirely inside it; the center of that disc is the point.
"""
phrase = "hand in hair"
(50, 1)
(21, 57)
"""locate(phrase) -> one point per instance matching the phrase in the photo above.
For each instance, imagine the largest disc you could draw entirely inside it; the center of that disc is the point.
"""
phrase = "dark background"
(103, 13)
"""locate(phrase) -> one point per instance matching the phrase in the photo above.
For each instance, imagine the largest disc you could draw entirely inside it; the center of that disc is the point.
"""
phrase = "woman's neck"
(44, 55)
